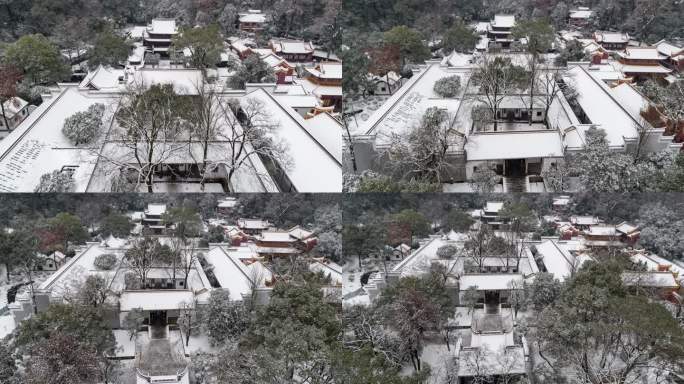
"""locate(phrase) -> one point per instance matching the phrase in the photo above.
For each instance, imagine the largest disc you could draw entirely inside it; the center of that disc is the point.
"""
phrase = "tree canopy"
(204, 44)
(38, 58)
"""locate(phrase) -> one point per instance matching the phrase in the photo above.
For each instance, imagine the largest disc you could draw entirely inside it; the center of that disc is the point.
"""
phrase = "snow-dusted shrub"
(56, 181)
(83, 127)
(32, 94)
(226, 320)
(105, 262)
(448, 87)
(446, 251)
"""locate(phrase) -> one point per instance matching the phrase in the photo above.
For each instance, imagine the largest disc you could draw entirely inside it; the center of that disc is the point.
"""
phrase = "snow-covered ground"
(199, 343)
(368, 105)
(7, 325)
(351, 276)
(125, 346)
(436, 355)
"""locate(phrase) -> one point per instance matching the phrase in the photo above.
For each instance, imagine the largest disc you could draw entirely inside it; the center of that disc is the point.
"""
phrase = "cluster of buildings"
(487, 341)
(635, 61)
(37, 146)
(304, 105)
(603, 94)
(299, 63)
(166, 296)
(293, 61)
(240, 267)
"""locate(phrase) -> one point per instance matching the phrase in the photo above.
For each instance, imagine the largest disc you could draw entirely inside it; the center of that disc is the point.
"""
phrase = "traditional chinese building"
(642, 63)
(252, 21)
(612, 40)
(14, 111)
(159, 35)
(500, 31)
(580, 17)
(673, 53)
(293, 50)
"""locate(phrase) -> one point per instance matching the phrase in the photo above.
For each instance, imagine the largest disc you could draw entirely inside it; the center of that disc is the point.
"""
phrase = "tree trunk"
(230, 176)
(529, 117)
(496, 123)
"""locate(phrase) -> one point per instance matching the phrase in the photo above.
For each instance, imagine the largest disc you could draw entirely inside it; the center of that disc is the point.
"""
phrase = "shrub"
(55, 182)
(105, 261)
(448, 87)
(83, 127)
(446, 251)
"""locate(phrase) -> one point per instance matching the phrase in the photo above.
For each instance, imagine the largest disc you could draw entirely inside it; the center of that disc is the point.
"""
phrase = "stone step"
(515, 184)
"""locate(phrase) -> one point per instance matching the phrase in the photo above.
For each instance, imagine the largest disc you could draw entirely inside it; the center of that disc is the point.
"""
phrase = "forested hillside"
(648, 20)
(62, 19)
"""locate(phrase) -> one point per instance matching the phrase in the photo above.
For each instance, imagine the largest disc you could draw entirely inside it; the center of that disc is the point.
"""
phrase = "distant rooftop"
(163, 27)
(503, 21)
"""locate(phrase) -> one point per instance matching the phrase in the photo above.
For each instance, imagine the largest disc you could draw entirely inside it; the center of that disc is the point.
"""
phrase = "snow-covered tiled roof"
(327, 71)
(503, 21)
(155, 209)
(299, 233)
(611, 37)
(154, 300)
(493, 206)
(292, 46)
(273, 236)
(497, 145)
(584, 220)
(253, 224)
(659, 69)
(558, 260)
(163, 27)
(230, 272)
(490, 281)
(327, 131)
(228, 202)
(407, 105)
(581, 13)
(601, 230)
(641, 53)
(625, 228)
(296, 47)
(631, 99)
(653, 279)
(252, 18)
(38, 146)
(668, 49)
(313, 168)
(103, 78)
(601, 107)
(184, 81)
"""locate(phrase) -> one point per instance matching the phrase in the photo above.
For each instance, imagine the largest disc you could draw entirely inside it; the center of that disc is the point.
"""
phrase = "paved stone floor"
(159, 358)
